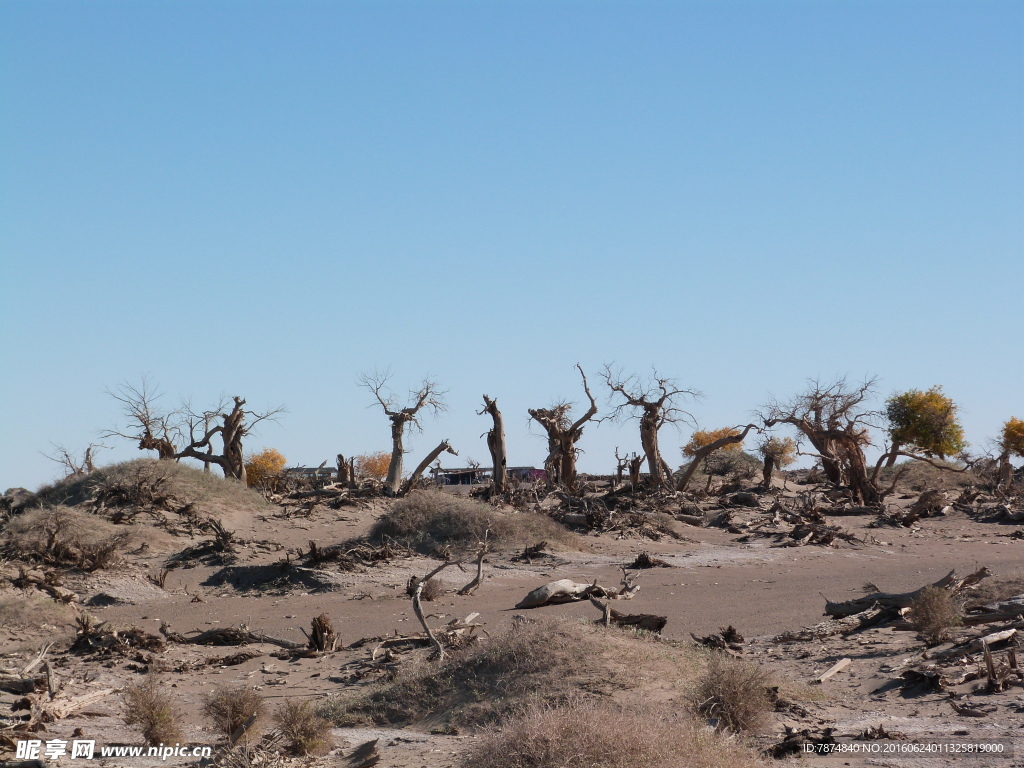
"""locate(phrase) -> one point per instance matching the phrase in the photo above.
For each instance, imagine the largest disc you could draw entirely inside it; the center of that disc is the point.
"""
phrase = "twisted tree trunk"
(496, 446)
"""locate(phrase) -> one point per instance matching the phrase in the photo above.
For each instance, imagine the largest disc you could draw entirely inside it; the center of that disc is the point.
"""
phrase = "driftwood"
(977, 644)
(537, 550)
(644, 560)
(240, 636)
(45, 582)
(948, 582)
(726, 639)
(478, 579)
(646, 621)
(46, 708)
(321, 636)
(417, 608)
(568, 591)
(836, 668)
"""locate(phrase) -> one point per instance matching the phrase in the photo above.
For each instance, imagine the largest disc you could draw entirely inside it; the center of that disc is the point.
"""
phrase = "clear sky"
(267, 199)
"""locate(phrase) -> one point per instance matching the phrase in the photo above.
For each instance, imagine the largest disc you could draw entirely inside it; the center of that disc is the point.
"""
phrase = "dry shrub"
(373, 465)
(934, 613)
(147, 483)
(303, 730)
(432, 520)
(734, 693)
(67, 537)
(230, 707)
(431, 590)
(263, 468)
(544, 661)
(150, 707)
(605, 735)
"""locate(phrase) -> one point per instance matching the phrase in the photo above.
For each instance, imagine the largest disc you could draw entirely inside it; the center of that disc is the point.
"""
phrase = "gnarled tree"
(496, 446)
(706, 443)
(654, 402)
(923, 422)
(563, 435)
(429, 397)
(775, 452)
(185, 433)
(834, 418)
(1011, 443)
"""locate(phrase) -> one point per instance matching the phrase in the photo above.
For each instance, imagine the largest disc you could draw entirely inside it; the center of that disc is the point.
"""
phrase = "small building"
(477, 475)
(459, 476)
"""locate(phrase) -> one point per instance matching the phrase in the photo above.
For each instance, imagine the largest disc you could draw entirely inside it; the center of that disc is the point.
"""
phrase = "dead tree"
(834, 418)
(185, 433)
(496, 446)
(563, 435)
(74, 467)
(429, 397)
(632, 463)
(706, 450)
(654, 403)
(155, 429)
(346, 471)
(443, 447)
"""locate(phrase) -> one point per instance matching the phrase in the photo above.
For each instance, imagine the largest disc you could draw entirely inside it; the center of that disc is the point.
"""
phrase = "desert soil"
(716, 578)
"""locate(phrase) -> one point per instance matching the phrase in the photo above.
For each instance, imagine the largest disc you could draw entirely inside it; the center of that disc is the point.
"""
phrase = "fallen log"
(240, 636)
(948, 582)
(978, 644)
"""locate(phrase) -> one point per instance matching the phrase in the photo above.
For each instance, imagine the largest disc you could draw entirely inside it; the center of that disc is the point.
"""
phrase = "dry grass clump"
(230, 707)
(540, 661)
(66, 537)
(432, 520)
(734, 693)
(150, 707)
(304, 731)
(934, 614)
(917, 476)
(432, 588)
(605, 735)
(28, 609)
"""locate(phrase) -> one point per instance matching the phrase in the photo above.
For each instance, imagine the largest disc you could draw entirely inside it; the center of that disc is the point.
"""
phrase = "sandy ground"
(715, 579)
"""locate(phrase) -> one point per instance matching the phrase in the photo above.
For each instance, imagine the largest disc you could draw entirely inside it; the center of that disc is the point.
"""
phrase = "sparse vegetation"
(934, 614)
(733, 693)
(533, 662)
(230, 707)
(149, 483)
(27, 609)
(588, 733)
(429, 521)
(304, 731)
(150, 707)
(65, 537)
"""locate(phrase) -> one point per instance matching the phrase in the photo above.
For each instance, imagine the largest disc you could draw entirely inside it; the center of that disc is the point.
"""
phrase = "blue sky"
(268, 199)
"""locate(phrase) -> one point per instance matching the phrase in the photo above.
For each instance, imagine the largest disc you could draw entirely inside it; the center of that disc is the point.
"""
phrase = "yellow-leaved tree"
(374, 465)
(263, 468)
(1011, 443)
(924, 422)
(715, 449)
(776, 452)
